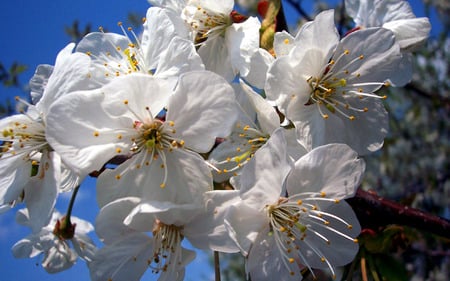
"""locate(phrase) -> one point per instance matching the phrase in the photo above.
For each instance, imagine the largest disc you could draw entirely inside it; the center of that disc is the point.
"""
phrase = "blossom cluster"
(161, 117)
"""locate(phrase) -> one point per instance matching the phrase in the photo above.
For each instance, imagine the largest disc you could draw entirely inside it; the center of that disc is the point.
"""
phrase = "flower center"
(24, 136)
(150, 139)
(293, 220)
(249, 140)
(205, 23)
(338, 86)
(166, 247)
(117, 60)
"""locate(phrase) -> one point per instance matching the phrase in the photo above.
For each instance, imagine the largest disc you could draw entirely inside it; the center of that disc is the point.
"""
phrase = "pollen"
(286, 41)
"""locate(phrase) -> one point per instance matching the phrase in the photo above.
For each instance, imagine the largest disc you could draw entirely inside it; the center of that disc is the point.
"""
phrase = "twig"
(216, 266)
(298, 8)
(374, 211)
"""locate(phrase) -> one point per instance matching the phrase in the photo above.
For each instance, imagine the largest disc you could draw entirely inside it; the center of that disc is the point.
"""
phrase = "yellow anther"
(286, 41)
(119, 23)
(323, 259)
(323, 194)
(384, 97)
(291, 260)
(361, 57)
(365, 109)
(351, 117)
(282, 229)
(246, 127)
(96, 134)
(119, 136)
(346, 52)
(337, 201)
(88, 53)
(125, 102)
(162, 185)
(350, 226)
(171, 123)
(355, 240)
(325, 116)
(118, 150)
(100, 28)
(118, 177)
(34, 163)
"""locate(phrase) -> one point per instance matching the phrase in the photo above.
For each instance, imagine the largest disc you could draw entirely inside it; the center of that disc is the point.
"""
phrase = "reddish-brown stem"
(374, 211)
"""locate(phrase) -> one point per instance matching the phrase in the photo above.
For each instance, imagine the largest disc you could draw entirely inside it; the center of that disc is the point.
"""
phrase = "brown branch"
(216, 266)
(374, 211)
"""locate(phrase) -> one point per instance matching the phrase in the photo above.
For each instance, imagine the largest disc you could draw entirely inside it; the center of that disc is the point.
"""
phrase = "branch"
(374, 211)
(298, 8)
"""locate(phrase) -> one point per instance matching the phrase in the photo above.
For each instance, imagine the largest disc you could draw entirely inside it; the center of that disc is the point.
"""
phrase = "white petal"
(242, 40)
(266, 115)
(39, 81)
(409, 33)
(207, 230)
(243, 224)
(109, 222)
(262, 178)
(42, 190)
(126, 259)
(259, 65)
(180, 57)
(59, 258)
(283, 43)
(216, 57)
(265, 260)
(334, 169)
(84, 246)
(69, 74)
(203, 108)
(166, 212)
(159, 29)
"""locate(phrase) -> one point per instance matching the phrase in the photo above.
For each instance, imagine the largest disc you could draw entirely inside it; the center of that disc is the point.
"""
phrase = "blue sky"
(33, 33)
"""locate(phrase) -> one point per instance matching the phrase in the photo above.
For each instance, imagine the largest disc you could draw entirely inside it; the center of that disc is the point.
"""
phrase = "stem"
(374, 211)
(71, 203)
(217, 266)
